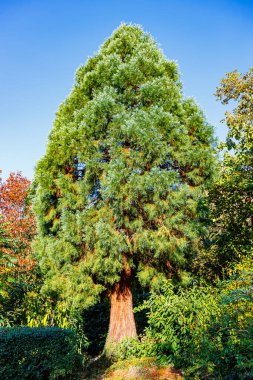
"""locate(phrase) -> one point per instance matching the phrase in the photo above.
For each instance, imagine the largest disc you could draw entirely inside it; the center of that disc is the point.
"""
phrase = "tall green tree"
(118, 189)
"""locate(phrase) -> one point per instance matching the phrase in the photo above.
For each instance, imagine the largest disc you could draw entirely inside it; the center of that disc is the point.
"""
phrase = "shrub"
(176, 324)
(206, 332)
(38, 353)
(229, 339)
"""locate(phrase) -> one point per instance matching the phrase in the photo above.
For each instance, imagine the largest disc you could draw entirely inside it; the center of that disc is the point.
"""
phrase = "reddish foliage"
(18, 221)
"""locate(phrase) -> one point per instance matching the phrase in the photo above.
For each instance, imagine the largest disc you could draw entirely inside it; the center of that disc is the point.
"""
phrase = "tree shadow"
(96, 368)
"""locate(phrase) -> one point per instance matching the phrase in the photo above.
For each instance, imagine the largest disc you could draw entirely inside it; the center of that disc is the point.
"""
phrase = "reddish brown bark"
(122, 323)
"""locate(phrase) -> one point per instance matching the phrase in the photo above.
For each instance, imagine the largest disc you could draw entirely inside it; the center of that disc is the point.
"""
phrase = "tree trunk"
(122, 323)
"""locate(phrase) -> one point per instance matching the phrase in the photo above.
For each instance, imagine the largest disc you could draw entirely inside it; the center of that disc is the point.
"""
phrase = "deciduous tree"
(17, 265)
(18, 221)
(231, 199)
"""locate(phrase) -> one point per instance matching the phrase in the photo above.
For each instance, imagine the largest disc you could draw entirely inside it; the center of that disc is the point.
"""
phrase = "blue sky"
(43, 42)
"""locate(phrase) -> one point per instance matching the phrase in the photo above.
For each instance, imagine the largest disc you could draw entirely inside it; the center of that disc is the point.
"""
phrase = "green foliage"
(5, 242)
(126, 166)
(238, 87)
(12, 287)
(207, 332)
(38, 353)
(176, 324)
(12, 294)
(21, 303)
(40, 310)
(231, 234)
(229, 343)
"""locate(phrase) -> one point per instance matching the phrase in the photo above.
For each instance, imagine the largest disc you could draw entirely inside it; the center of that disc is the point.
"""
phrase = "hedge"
(38, 353)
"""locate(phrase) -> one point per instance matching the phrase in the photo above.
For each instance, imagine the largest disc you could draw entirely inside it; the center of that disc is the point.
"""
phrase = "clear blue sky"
(42, 42)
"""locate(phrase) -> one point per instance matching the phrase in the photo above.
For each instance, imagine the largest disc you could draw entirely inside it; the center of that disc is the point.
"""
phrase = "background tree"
(231, 198)
(118, 189)
(18, 219)
(17, 229)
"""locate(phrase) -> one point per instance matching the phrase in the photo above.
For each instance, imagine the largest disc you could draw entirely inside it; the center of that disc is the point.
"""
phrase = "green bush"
(176, 325)
(229, 339)
(206, 332)
(38, 353)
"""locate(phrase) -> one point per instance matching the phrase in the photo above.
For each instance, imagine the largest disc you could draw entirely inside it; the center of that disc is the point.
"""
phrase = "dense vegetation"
(39, 353)
(131, 203)
(205, 331)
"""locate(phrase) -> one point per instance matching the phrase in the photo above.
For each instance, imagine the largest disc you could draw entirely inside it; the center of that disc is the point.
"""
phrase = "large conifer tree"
(117, 191)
